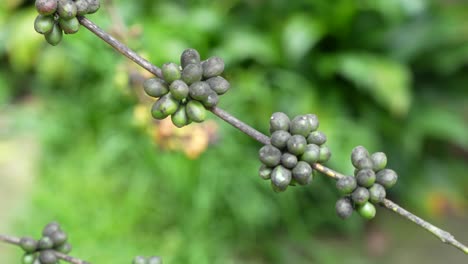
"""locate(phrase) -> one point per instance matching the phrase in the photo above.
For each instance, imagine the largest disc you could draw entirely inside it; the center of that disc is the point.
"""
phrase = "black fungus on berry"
(47, 257)
(212, 67)
(280, 138)
(346, 185)
(377, 193)
(288, 160)
(365, 177)
(270, 156)
(311, 154)
(296, 144)
(386, 178)
(189, 56)
(281, 177)
(302, 173)
(344, 208)
(360, 195)
(317, 138)
(357, 154)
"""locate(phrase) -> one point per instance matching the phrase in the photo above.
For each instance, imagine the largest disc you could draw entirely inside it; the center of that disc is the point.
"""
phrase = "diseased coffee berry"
(358, 153)
(365, 163)
(265, 172)
(377, 193)
(365, 177)
(69, 26)
(47, 257)
(171, 72)
(219, 84)
(211, 100)
(139, 260)
(311, 154)
(300, 125)
(379, 160)
(386, 177)
(167, 104)
(196, 112)
(199, 90)
(346, 185)
(360, 195)
(189, 56)
(66, 9)
(155, 87)
(302, 173)
(64, 248)
(50, 228)
(280, 138)
(93, 6)
(344, 208)
(28, 259)
(179, 89)
(317, 138)
(180, 118)
(192, 73)
(314, 122)
(212, 67)
(296, 144)
(281, 177)
(155, 260)
(46, 7)
(28, 244)
(269, 155)
(58, 237)
(366, 210)
(43, 24)
(81, 7)
(288, 160)
(325, 154)
(279, 121)
(54, 36)
(45, 243)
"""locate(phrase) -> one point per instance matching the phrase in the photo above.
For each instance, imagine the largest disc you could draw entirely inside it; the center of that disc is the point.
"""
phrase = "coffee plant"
(293, 154)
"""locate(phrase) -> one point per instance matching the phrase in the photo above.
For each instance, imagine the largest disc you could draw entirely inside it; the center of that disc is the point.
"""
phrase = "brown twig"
(121, 48)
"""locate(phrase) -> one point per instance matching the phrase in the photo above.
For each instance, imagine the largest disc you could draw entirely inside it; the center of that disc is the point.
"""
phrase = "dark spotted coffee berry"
(69, 26)
(279, 121)
(379, 160)
(311, 154)
(302, 173)
(155, 87)
(357, 154)
(212, 67)
(192, 73)
(346, 185)
(43, 24)
(81, 7)
(196, 112)
(365, 177)
(269, 155)
(47, 257)
(377, 193)
(179, 89)
(50, 228)
(66, 9)
(325, 154)
(386, 178)
(265, 172)
(46, 7)
(313, 120)
(180, 118)
(288, 160)
(166, 105)
(281, 177)
(64, 248)
(218, 84)
(171, 72)
(317, 138)
(360, 195)
(280, 138)
(344, 208)
(28, 244)
(45, 243)
(296, 144)
(189, 56)
(300, 125)
(93, 6)
(199, 90)
(58, 238)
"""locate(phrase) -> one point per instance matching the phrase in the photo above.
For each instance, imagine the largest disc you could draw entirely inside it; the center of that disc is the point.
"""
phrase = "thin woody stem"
(253, 133)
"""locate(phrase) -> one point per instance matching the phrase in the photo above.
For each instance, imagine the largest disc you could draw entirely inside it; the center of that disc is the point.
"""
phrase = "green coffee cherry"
(81, 7)
(387, 178)
(212, 67)
(377, 193)
(189, 56)
(179, 89)
(288, 160)
(281, 177)
(279, 121)
(300, 125)
(43, 24)
(317, 138)
(365, 163)
(269, 155)
(302, 173)
(140, 260)
(346, 185)
(45, 243)
(155, 87)
(47, 257)
(64, 248)
(314, 122)
(66, 9)
(180, 118)
(155, 260)
(93, 6)
(171, 72)
(50, 228)
(344, 208)
(360, 195)
(28, 244)
(69, 26)
(192, 73)
(156, 111)
(195, 111)
(199, 90)
(379, 160)
(46, 7)
(311, 154)
(168, 104)
(58, 238)
(211, 100)
(29, 258)
(218, 84)
(54, 36)
(358, 153)
(280, 138)
(366, 210)
(296, 144)
(365, 177)
(325, 154)
(265, 172)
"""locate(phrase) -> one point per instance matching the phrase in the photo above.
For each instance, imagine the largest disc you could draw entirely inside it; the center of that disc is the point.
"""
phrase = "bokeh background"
(77, 143)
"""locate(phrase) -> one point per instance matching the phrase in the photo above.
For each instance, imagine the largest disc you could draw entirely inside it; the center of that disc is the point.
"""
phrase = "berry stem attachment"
(262, 138)
(16, 241)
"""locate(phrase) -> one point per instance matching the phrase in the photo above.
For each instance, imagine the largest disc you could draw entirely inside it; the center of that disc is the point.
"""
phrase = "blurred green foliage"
(389, 75)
